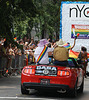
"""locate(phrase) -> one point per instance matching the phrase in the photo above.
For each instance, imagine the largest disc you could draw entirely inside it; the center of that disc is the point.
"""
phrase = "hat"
(60, 43)
(43, 42)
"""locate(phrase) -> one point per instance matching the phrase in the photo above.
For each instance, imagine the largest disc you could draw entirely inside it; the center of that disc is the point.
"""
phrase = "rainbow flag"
(15, 38)
(6, 71)
(79, 31)
(66, 45)
(4, 39)
(42, 54)
(73, 54)
(78, 34)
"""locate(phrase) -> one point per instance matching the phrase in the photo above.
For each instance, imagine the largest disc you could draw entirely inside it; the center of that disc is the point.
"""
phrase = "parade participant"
(60, 54)
(83, 58)
(67, 45)
(41, 52)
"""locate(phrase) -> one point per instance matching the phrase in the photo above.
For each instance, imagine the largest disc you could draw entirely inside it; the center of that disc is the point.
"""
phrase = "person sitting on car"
(41, 52)
(60, 54)
(68, 46)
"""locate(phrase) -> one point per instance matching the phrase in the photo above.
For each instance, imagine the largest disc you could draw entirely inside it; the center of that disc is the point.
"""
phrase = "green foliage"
(48, 17)
(18, 17)
(13, 15)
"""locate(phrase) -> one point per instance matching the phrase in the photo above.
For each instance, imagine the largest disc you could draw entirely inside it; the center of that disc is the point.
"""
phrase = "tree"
(48, 17)
(20, 16)
(14, 11)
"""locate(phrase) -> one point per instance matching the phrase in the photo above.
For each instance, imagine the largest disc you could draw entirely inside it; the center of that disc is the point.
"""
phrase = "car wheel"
(23, 90)
(74, 91)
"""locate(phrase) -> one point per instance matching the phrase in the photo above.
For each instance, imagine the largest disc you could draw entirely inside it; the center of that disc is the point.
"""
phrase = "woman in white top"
(42, 49)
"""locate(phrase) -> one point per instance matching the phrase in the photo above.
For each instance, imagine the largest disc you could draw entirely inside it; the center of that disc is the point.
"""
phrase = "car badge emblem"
(45, 71)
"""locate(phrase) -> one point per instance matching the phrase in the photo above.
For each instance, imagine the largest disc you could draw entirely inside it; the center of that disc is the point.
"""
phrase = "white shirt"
(45, 59)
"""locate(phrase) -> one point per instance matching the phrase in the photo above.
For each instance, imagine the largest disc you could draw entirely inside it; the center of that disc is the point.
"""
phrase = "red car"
(69, 79)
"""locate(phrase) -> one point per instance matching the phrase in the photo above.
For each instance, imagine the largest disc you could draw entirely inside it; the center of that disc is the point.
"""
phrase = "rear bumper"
(42, 86)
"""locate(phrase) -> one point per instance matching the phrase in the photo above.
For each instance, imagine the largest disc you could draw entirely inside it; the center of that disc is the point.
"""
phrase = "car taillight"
(63, 73)
(29, 71)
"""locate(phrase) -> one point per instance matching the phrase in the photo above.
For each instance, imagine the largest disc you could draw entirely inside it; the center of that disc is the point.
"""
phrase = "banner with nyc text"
(74, 19)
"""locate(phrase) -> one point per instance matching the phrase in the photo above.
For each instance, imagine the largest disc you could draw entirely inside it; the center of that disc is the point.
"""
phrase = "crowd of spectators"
(12, 57)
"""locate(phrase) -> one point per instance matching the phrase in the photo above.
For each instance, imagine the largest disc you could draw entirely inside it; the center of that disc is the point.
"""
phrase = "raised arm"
(73, 44)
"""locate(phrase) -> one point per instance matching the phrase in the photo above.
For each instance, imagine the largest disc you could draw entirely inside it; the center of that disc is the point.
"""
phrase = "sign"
(79, 11)
(74, 18)
(83, 30)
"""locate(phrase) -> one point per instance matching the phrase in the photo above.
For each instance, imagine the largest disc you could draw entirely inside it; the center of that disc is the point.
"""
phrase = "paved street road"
(10, 90)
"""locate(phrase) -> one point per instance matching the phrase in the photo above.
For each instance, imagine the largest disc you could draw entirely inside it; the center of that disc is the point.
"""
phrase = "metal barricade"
(3, 65)
(0, 63)
(12, 65)
(18, 63)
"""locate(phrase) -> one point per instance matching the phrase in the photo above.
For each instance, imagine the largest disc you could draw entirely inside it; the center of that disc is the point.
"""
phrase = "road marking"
(4, 87)
(25, 98)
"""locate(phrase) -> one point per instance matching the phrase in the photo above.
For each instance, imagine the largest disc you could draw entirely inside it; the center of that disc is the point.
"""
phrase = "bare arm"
(73, 44)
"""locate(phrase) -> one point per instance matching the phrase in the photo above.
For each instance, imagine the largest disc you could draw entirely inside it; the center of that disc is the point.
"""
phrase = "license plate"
(45, 81)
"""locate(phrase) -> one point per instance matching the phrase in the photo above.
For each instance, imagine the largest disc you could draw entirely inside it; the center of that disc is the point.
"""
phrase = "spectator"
(36, 44)
(25, 39)
(5, 57)
(32, 44)
(1, 53)
(54, 38)
(21, 42)
(28, 40)
(84, 58)
(11, 55)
